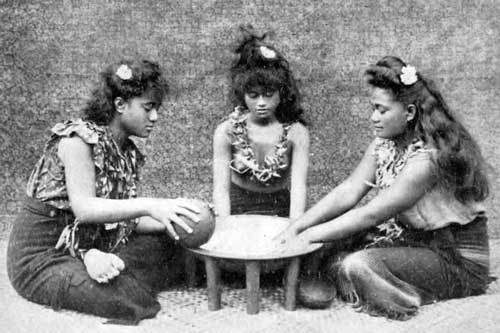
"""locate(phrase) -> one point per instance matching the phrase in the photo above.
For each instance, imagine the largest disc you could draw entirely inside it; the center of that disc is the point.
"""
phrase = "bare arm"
(80, 182)
(343, 197)
(409, 186)
(79, 170)
(148, 224)
(300, 163)
(221, 171)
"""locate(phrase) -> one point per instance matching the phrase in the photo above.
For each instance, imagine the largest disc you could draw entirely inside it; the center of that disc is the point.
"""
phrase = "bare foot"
(102, 266)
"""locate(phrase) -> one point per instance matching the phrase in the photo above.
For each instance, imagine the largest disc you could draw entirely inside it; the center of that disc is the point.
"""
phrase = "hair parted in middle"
(260, 65)
(459, 160)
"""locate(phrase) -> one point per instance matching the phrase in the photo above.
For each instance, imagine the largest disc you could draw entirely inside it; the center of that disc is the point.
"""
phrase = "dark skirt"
(419, 268)
(248, 202)
(44, 275)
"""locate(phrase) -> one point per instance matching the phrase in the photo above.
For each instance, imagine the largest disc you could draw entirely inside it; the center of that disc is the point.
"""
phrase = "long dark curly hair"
(459, 161)
(146, 77)
(255, 68)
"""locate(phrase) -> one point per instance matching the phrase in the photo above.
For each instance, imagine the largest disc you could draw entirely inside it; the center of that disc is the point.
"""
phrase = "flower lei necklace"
(244, 158)
(390, 162)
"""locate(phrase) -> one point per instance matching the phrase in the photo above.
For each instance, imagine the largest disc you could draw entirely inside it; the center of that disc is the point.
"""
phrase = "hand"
(102, 266)
(297, 242)
(167, 211)
(286, 234)
(289, 241)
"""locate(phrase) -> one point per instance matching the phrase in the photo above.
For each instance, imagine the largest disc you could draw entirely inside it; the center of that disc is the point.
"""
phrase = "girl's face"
(389, 117)
(138, 115)
(262, 102)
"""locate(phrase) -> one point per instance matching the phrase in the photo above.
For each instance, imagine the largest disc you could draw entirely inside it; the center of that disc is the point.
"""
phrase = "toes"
(117, 263)
(102, 279)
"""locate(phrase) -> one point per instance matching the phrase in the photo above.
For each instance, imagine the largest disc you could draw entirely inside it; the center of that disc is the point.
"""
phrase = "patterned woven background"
(51, 52)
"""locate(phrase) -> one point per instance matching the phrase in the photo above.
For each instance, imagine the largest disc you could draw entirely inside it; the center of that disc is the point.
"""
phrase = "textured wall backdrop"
(51, 51)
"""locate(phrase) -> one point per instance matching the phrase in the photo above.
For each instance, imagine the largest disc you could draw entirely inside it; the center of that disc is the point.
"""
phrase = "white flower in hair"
(409, 75)
(124, 72)
(267, 52)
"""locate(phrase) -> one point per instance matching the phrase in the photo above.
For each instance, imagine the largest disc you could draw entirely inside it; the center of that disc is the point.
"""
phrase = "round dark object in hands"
(316, 293)
(202, 231)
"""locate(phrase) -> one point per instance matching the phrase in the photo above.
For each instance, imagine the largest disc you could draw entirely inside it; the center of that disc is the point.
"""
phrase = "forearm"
(300, 164)
(220, 170)
(222, 202)
(341, 227)
(99, 210)
(298, 200)
(414, 181)
(384, 206)
(332, 205)
(149, 225)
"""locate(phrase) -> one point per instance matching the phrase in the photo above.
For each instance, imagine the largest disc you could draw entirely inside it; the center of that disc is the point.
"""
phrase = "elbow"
(82, 211)
(82, 216)
(371, 219)
(349, 200)
(373, 216)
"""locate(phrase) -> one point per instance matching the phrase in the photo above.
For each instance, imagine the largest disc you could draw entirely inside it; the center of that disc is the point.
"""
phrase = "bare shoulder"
(73, 148)
(298, 133)
(224, 127)
(223, 132)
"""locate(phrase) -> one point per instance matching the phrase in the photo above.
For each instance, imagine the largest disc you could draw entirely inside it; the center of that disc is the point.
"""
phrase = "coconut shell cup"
(202, 231)
(316, 294)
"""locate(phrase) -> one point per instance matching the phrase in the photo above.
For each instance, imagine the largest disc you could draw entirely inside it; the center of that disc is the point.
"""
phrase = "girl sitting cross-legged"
(424, 236)
(85, 240)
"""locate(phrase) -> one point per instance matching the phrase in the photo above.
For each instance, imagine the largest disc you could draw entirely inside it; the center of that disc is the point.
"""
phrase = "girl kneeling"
(261, 151)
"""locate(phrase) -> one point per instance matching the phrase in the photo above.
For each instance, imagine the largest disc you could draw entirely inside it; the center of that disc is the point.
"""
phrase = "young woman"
(423, 237)
(84, 240)
(261, 151)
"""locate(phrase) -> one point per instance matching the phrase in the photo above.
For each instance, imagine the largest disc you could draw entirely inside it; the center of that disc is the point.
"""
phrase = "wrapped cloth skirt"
(248, 202)
(47, 276)
(419, 268)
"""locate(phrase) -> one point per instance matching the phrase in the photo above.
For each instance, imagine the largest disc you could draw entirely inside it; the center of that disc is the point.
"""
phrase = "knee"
(352, 274)
(356, 265)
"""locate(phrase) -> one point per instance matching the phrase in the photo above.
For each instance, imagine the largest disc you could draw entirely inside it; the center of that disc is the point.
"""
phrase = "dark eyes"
(149, 106)
(378, 108)
(253, 94)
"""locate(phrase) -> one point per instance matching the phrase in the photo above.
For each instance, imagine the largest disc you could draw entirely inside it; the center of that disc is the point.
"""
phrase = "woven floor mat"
(196, 298)
(186, 310)
(189, 308)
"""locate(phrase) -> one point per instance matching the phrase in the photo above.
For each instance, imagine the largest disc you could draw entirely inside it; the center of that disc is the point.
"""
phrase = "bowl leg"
(190, 267)
(292, 274)
(253, 286)
(213, 284)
